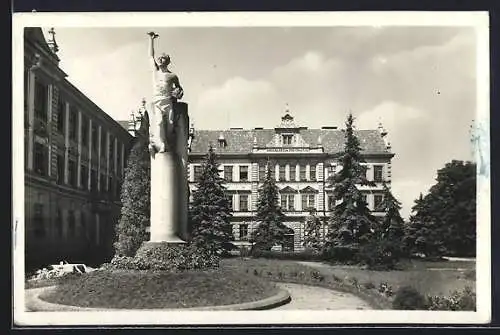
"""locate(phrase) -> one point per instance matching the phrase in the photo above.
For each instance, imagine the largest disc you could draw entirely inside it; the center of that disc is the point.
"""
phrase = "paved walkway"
(319, 298)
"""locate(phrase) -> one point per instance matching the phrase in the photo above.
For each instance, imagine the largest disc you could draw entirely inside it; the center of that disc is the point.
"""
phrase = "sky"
(420, 82)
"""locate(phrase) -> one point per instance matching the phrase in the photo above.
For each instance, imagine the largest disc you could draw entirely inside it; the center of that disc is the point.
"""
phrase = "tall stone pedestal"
(169, 189)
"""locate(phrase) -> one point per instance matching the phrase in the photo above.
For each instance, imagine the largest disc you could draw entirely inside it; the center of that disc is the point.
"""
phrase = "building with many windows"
(75, 157)
(301, 160)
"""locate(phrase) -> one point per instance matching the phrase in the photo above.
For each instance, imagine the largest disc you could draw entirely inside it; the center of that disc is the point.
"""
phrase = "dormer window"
(222, 141)
(287, 139)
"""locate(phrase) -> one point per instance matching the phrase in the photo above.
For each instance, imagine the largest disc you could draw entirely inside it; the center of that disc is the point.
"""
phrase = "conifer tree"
(351, 220)
(312, 233)
(270, 229)
(135, 196)
(386, 247)
(210, 213)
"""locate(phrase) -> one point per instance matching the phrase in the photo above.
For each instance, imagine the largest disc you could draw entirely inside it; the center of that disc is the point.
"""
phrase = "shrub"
(408, 298)
(307, 255)
(165, 257)
(464, 300)
(369, 285)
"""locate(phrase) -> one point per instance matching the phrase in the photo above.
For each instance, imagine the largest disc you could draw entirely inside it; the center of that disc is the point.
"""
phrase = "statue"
(167, 90)
(168, 145)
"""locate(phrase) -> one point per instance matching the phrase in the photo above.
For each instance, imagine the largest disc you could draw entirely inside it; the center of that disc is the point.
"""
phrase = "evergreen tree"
(385, 247)
(351, 220)
(210, 213)
(135, 196)
(312, 234)
(270, 230)
(392, 224)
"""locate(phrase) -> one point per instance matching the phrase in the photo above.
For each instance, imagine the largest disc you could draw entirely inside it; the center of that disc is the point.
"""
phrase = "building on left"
(75, 156)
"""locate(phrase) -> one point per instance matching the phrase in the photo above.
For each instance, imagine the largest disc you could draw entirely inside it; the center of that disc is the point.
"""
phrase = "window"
(38, 223)
(244, 173)
(103, 183)
(197, 173)
(118, 160)
(61, 115)
(281, 173)
(377, 202)
(331, 171)
(111, 154)
(73, 123)
(85, 131)
(83, 224)
(292, 172)
(377, 173)
(59, 223)
(60, 169)
(287, 202)
(71, 223)
(287, 139)
(72, 173)
(302, 173)
(111, 186)
(365, 198)
(312, 172)
(84, 177)
(40, 159)
(243, 231)
(262, 172)
(228, 173)
(95, 138)
(93, 180)
(229, 198)
(103, 143)
(308, 202)
(243, 203)
(41, 99)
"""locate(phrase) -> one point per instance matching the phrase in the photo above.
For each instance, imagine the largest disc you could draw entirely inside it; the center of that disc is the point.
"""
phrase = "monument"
(168, 145)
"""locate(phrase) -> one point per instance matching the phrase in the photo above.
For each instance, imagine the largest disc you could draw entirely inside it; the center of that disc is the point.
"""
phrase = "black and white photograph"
(251, 168)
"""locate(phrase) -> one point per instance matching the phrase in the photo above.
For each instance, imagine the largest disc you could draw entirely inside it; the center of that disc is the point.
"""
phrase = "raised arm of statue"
(152, 36)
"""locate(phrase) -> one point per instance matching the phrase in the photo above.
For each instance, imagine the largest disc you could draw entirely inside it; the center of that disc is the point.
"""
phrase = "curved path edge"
(34, 303)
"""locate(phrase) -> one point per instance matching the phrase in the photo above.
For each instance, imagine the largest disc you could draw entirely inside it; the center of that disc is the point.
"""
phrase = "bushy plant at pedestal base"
(163, 256)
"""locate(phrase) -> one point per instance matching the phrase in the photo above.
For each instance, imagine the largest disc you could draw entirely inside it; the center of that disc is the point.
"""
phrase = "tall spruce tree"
(385, 247)
(312, 233)
(210, 211)
(270, 229)
(135, 196)
(351, 220)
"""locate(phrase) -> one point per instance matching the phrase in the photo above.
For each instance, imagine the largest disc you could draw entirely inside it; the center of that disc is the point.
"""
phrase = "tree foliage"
(135, 197)
(351, 220)
(210, 213)
(270, 229)
(443, 222)
(385, 247)
(313, 233)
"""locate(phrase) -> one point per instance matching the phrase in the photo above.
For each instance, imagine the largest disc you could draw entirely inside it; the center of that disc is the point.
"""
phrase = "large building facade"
(300, 160)
(75, 156)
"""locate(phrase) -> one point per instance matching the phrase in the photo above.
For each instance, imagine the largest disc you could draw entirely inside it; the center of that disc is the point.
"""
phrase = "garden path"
(319, 298)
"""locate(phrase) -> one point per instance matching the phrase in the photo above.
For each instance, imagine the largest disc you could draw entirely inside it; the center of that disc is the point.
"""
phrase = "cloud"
(237, 103)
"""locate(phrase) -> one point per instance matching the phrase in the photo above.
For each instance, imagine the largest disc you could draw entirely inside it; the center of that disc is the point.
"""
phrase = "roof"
(242, 141)
(123, 123)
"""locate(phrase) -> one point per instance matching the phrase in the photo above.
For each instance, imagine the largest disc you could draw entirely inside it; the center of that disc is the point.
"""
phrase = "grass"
(139, 290)
(436, 278)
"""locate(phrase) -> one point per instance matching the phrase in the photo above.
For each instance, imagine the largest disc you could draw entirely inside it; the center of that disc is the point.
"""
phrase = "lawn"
(436, 278)
(139, 290)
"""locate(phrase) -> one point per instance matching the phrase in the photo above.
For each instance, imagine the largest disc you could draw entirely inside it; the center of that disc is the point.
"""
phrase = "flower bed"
(147, 290)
